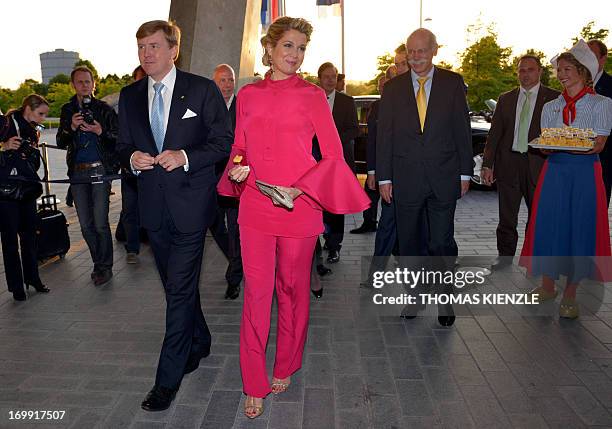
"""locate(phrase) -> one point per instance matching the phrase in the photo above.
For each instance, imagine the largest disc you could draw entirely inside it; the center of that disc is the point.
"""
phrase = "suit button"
(161, 186)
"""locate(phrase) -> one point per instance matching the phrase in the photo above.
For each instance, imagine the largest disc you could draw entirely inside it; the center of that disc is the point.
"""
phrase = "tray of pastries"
(566, 138)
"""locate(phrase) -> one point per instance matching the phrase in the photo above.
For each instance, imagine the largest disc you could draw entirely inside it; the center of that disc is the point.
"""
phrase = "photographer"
(88, 131)
(19, 156)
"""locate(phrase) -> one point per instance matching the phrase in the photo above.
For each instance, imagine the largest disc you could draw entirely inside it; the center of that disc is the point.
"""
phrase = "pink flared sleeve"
(331, 184)
(226, 187)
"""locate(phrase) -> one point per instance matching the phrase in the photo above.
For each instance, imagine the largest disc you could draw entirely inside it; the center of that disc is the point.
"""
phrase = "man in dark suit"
(344, 112)
(424, 156)
(228, 236)
(174, 127)
(603, 85)
(507, 157)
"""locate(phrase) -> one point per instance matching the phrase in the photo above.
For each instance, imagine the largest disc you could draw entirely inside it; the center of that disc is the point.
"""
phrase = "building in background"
(57, 62)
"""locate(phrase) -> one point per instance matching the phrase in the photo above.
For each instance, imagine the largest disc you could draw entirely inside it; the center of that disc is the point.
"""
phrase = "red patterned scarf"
(569, 111)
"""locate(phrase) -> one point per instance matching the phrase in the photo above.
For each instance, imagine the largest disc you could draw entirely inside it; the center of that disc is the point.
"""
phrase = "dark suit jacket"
(604, 87)
(372, 128)
(205, 138)
(345, 118)
(498, 152)
(434, 159)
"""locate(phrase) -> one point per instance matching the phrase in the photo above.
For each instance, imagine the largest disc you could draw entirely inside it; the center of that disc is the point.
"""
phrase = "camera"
(86, 111)
(27, 147)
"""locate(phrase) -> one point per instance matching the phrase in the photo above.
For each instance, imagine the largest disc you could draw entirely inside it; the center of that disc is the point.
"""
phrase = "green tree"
(445, 65)
(6, 95)
(360, 88)
(382, 64)
(486, 69)
(588, 32)
(60, 78)
(59, 94)
(91, 67)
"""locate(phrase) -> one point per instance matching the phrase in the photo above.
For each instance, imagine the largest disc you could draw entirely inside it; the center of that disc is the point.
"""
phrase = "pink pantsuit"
(275, 124)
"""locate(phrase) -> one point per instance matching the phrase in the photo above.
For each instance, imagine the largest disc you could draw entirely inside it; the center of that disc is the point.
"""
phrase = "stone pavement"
(92, 352)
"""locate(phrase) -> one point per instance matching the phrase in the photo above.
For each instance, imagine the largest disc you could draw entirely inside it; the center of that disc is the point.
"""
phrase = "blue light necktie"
(157, 116)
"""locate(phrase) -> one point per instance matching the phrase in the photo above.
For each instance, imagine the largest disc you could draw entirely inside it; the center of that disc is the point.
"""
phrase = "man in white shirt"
(507, 157)
(174, 127)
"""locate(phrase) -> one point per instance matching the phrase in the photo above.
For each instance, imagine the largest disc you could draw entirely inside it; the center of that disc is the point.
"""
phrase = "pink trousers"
(282, 264)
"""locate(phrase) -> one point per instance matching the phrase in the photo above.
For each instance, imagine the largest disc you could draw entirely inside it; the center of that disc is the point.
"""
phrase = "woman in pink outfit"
(276, 120)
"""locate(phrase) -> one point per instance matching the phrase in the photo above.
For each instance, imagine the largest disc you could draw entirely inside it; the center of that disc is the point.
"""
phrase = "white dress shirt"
(533, 95)
(330, 100)
(166, 93)
(228, 103)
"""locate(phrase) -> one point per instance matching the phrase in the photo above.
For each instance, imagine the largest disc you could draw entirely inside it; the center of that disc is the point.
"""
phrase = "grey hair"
(433, 41)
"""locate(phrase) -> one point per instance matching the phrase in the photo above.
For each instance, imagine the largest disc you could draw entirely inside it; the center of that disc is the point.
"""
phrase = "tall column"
(217, 31)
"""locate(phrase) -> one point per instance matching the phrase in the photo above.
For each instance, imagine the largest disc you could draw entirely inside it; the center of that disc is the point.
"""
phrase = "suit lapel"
(177, 108)
(435, 99)
(410, 99)
(534, 126)
(336, 111)
(511, 112)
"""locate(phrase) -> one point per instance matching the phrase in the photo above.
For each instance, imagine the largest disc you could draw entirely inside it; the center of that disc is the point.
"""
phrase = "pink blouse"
(275, 124)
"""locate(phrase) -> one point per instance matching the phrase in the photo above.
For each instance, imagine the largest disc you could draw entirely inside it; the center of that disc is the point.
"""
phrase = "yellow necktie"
(421, 100)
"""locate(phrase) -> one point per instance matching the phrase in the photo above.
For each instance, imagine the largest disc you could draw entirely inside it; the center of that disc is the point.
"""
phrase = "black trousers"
(442, 251)
(370, 215)
(18, 219)
(227, 237)
(510, 193)
(178, 257)
(336, 230)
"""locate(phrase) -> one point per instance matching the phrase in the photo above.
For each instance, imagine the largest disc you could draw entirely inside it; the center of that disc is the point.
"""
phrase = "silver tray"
(548, 147)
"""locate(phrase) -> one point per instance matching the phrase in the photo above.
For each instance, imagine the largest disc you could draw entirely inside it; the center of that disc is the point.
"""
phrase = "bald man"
(424, 157)
(228, 236)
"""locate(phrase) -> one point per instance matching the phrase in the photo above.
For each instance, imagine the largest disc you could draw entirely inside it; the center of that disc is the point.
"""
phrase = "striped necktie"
(524, 122)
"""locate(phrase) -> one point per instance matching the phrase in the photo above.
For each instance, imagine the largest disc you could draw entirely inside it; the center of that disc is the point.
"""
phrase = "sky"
(103, 31)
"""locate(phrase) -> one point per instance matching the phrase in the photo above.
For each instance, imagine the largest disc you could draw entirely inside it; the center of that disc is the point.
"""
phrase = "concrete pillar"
(217, 31)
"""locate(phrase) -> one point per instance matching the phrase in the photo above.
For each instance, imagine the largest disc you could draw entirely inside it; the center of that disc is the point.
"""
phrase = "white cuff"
(465, 178)
(134, 171)
(186, 166)
(384, 182)
(372, 172)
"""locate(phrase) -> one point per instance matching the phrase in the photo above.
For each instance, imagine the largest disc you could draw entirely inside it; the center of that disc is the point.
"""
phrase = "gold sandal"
(569, 309)
(279, 386)
(251, 410)
(543, 294)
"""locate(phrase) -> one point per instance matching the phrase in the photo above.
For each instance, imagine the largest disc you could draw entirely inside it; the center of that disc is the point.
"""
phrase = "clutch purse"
(278, 196)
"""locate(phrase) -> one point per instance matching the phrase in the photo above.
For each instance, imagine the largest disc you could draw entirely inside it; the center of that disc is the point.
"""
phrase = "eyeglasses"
(420, 51)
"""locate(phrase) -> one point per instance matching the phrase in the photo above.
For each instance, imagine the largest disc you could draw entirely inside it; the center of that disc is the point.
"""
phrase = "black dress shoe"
(39, 287)
(102, 277)
(364, 228)
(322, 270)
(317, 293)
(410, 311)
(232, 291)
(446, 320)
(19, 295)
(158, 399)
(194, 361)
(333, 256)
(502, 263)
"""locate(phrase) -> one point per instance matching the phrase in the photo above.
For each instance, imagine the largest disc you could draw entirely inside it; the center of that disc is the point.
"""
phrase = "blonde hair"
(278, 28)
(172, 32)
(33, 101)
